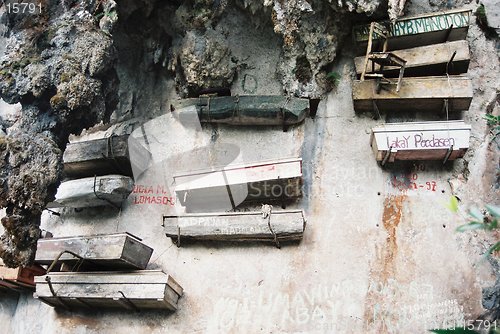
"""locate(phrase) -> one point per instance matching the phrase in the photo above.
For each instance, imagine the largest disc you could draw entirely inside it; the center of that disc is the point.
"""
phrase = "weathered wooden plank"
(237, 226)
(217, 187)
(19, 278)
(134, 289)
(415, 94)
(93, 191)
(421, 140)
(419, 30)
(244, 110)
(112, 155)
(425, 60)
(111, 251)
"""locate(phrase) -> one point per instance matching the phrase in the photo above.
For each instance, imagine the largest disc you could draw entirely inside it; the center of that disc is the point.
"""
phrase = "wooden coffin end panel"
(136, 253)
(23, 277)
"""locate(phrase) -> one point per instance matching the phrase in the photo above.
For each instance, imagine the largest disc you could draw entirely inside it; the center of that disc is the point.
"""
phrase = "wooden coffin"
(134, 290)
(110, 251)
(93, 191)
(419, 30)
(112, 155)
(229, 186)
(244, 110)
(236, 226)
(19, 278)
(415, 94)
(425, 60)
(446, 140)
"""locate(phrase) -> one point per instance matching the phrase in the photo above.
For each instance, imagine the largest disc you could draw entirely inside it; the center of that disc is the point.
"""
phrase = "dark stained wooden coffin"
(244, 110)
(108, 251)
(416, 94)
(19, 278)
(236, 226)
(425, 60)
(112, 155)
(447, 140)
(93, 191)
(419, 30)
(133, 290)
(221, 187)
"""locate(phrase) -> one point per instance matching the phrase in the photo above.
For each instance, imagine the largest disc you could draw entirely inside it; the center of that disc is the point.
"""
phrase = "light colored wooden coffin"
(93, 191)
(134, 290)
(416, 94)
(19, 278)
(419, 30)
(112, 155)
(421, 140)
(425, 60)
(105, 251)
(236, 226)
(238, 183)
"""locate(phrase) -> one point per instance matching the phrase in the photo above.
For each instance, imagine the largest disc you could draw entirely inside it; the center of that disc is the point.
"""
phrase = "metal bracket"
(448, 154)
(448, 32)
(386, 156)
(128, 302)
(450, 62)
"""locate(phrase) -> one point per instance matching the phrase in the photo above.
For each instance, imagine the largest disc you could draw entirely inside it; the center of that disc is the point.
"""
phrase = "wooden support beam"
(19, 278)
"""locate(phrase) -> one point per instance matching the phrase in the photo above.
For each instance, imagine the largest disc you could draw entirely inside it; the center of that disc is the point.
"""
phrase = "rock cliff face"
(59, 66)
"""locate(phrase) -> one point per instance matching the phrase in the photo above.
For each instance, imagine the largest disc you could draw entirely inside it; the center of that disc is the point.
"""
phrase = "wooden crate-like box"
(446, 140)
(237, 226)
(19, 278)
(105, 251)
(134, 290)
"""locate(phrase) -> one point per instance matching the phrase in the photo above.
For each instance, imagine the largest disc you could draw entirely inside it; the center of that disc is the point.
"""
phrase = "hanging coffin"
(93, 191)
(243, 110)
(434, 59)
(110, 251)
(415, 94)
(236, 226)
(134, 290)
(19, 278)
(111, 155)
(229, 186)
(419, 30)
(444, 141)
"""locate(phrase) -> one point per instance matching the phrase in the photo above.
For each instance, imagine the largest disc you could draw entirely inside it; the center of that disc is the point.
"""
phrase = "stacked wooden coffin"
(225, 188)
(415, 64)
(100, 172)
(20, 278)
(102, 271)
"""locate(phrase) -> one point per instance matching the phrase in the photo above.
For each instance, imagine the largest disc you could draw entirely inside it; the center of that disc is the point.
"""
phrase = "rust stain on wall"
(384, 267)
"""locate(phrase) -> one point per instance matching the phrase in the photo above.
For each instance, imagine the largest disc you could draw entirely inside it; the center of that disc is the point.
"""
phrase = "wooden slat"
(419, 30)
(244, 110)
(93, 191)
(420, 140)
(426, 60)
(113, 155)
(240, 226)
(112, 251)
(22, 277)
(144, 289)
(415, 94)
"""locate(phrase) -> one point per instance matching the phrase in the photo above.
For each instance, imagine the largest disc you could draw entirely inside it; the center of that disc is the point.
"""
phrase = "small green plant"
(494, 122)
(334, 77)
